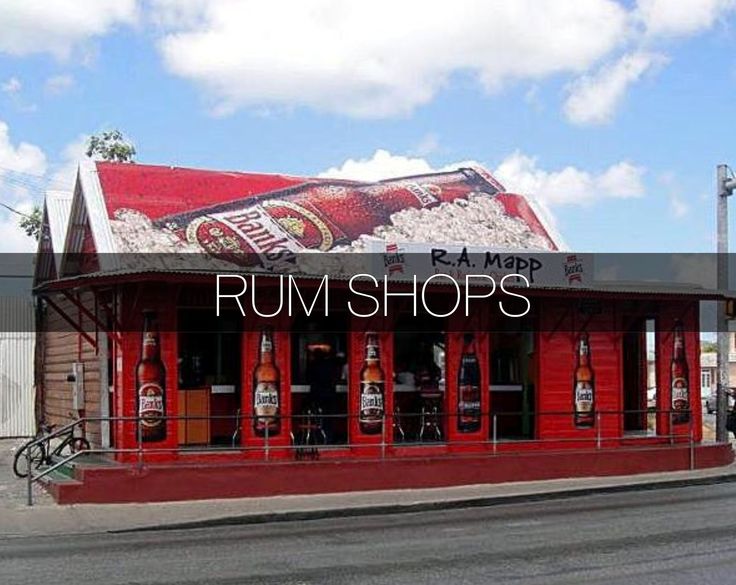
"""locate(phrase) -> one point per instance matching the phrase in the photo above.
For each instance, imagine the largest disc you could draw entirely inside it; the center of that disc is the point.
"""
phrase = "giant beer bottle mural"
(679, 374)
(468, 388)
(371, 388)
(151, 383)
(584, 385)
(266, 389)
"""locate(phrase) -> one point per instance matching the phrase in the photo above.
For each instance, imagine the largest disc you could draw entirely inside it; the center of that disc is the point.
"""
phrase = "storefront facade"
(570, 376)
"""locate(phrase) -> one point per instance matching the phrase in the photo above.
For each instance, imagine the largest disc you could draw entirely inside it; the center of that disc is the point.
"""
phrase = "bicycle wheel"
(80, 444)
(20, 461)
(71, 445)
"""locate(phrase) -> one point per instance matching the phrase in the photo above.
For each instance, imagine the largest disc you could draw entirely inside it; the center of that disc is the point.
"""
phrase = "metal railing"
(304, 436)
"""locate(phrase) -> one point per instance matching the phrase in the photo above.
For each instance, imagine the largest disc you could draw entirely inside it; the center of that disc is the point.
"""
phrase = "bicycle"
(42, 453)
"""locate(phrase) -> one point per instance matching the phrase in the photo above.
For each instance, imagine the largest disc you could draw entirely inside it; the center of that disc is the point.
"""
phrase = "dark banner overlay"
(411, 287)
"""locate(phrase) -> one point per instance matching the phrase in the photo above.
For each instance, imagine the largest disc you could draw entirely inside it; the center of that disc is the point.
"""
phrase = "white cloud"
(58, 26)
(64, 171)
(678, 207)
(593, 99)
(622, 180)
(23, 158)
(17, 161)
(570, 185)
(11, 86)
(376, 59)
(680, 17)
(518, 173)
(58, 84)
(382, 165)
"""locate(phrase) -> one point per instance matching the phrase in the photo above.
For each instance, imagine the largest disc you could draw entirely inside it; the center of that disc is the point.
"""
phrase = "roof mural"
(245, 218)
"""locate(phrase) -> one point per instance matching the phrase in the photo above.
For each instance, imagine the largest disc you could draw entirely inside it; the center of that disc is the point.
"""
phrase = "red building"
(463, 399)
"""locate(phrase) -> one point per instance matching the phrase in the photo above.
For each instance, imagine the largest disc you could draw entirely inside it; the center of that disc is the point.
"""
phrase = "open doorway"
(319, 379)
(513, 369)
(640, 377)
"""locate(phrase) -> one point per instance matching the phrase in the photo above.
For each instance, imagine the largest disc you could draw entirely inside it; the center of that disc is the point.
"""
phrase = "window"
(319, 379)
(706, 380)
(209, 376)
(209, 349)
(419, 386)
(513, 366)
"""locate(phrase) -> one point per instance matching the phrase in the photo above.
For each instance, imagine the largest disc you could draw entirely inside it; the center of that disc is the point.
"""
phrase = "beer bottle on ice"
(468, 388)
(679, 374)
(371, 388)
(584, 387)
(151, 383)
(266, 389)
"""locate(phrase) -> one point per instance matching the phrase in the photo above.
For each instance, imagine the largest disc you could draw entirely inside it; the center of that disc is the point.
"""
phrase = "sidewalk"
(46, 518)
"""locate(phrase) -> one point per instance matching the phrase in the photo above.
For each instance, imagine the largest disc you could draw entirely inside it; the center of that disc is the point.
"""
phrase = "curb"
(438, 505)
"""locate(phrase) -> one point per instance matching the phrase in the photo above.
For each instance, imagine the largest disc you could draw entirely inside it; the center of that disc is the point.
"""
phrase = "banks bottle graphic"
(371, 388)
(270, 229)
(679, 375)
(584, 386)
(468, 388)
(266, 389)
(151, 383)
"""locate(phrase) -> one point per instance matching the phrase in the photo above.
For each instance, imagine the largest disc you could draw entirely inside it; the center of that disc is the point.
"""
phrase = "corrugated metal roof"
(159, 268)
(58, 208)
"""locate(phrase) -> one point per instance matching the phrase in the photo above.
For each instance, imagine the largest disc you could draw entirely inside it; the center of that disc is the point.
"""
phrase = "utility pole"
(724, 189)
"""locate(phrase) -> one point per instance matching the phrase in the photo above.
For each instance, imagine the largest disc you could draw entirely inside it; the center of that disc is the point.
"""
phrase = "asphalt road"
(678, 536)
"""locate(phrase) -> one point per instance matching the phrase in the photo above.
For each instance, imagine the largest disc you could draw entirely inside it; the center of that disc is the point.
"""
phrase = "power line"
(9, 208)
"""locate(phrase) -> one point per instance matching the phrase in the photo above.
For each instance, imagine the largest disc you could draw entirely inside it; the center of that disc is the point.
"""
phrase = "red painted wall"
(560, 325)
(560, 322)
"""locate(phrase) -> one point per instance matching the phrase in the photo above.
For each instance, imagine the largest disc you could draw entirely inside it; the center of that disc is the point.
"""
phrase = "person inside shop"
(427, 373)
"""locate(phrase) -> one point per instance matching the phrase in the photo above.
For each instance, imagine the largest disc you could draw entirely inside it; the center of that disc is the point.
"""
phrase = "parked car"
(709, 400)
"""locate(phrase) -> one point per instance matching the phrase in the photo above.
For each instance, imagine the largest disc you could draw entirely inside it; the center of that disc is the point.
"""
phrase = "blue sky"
(612, 114)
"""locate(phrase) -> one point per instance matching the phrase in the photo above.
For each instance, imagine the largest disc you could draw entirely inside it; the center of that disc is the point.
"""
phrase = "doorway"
(639, 376)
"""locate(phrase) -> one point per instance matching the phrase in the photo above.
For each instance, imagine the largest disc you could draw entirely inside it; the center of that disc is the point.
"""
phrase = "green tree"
(31, 223)
(708, 347)
(109, 146)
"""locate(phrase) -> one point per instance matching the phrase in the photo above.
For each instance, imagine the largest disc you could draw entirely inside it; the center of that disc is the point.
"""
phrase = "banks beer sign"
(270, 229)
(402, 261)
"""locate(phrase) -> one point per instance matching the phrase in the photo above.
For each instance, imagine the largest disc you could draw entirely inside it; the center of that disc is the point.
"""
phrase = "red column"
(126, 384)
(363, 443)
(458, 326)
(278, 444)
(687, 313)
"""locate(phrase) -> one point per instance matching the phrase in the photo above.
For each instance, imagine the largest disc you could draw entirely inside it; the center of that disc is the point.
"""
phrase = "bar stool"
(396, 425)
(311, 425)
(429, 420)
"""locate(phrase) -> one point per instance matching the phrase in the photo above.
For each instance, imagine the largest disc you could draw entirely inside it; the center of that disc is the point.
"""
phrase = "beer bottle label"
(266, 399)
(583, 397)
(151, 404)
(469, 398)
(273, 230)
(680, 394)
(371, 401)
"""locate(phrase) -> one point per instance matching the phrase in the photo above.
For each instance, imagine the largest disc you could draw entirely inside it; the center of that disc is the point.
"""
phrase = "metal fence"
(308, 435)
